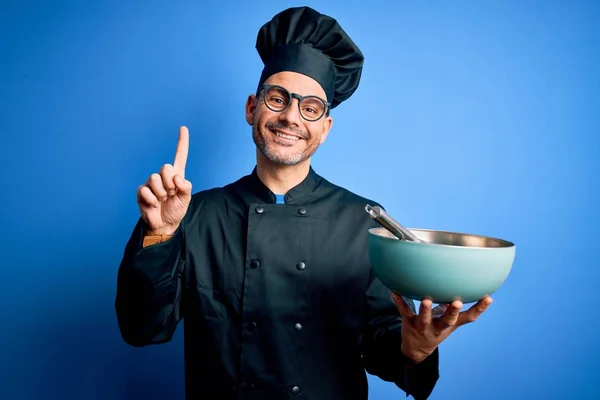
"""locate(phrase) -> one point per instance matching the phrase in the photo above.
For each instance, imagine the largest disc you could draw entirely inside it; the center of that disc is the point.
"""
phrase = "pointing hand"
(164, 199)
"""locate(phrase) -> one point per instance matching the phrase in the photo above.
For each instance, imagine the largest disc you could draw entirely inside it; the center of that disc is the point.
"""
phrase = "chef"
(270, 274)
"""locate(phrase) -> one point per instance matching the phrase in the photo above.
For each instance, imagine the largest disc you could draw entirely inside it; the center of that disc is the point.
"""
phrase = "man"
(270, 274)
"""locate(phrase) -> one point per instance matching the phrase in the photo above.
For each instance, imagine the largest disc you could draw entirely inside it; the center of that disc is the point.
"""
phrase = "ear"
(250, 109)
(327, 124)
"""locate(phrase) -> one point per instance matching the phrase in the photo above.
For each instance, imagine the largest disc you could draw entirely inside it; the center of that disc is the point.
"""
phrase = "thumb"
(184, 187)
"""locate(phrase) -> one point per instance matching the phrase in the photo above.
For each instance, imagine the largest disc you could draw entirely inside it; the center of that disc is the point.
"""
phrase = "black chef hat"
(303, 40)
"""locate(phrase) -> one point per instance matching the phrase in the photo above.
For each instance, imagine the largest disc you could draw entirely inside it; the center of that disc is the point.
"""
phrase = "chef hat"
(303, 40)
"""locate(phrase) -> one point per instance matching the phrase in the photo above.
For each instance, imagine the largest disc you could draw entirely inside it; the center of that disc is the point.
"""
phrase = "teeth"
(286, 136)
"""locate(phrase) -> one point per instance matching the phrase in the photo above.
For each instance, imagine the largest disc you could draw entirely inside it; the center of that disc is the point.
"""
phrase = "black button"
(295, 390)
(300, 265)
(252, 326)
(254, 264)
(302, 211)
(298, 327)
(259, 210)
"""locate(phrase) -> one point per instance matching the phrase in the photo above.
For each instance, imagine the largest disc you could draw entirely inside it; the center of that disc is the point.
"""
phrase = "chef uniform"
(275, 291)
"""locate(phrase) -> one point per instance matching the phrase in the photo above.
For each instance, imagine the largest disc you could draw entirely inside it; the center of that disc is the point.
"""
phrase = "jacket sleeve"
(149, 289)
(382, 341)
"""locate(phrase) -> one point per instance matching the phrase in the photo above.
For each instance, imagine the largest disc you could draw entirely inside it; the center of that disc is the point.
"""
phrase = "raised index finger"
(181, 153)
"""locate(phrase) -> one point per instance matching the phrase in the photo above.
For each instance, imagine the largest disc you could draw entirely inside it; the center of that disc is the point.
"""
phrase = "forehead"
(296, 83)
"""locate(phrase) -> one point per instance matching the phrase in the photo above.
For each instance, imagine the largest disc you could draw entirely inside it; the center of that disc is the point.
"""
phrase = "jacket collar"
(307, 186)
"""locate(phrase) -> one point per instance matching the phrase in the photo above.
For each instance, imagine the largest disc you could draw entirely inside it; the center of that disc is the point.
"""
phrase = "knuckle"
(166, 168)
(449, 324)
(156, 183)
(155, 177)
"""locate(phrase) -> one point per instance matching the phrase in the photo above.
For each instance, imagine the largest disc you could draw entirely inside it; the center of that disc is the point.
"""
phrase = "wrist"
(163, 231)
(156, 236)
(413, 357)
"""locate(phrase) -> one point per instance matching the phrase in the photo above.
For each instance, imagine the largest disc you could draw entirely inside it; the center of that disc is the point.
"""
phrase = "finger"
(473, 313)
(450, 317)
(156, 185)
(146, 197)
(181, 153)
(403, 308)
(424, 317)
(167, 173)
(184, 186)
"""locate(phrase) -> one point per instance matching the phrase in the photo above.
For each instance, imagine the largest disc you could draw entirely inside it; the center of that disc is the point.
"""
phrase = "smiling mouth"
(286, 135)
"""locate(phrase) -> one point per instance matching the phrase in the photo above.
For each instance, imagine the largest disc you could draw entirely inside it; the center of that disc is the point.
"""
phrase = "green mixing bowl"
(453, 266)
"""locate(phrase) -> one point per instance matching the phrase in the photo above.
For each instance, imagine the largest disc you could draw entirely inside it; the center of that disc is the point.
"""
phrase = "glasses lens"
(312, 108)
(277, 99)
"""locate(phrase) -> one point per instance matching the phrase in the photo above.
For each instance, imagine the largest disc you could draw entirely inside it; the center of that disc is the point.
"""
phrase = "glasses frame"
(265, 88)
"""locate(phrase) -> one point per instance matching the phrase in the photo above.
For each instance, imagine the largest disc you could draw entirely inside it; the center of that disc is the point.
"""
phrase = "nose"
(292, 114)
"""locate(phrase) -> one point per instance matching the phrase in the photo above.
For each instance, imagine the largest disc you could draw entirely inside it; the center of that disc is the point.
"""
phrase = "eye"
(312, 107)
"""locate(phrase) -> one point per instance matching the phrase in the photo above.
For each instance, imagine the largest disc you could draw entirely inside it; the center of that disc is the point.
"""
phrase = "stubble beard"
(258, 135)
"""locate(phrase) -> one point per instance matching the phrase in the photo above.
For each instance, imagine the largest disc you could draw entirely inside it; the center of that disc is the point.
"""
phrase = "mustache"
(286, 127)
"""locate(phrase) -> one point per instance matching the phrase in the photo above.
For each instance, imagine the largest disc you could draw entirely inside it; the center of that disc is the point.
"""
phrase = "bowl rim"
(506, 243)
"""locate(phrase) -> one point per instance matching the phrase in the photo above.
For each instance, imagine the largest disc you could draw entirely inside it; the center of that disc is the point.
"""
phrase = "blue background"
(472, 116)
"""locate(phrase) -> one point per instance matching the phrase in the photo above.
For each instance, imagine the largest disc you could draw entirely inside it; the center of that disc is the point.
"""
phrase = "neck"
(280, 178)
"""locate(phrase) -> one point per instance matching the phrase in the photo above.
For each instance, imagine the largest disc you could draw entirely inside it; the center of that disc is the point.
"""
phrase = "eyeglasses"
(278, 99)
